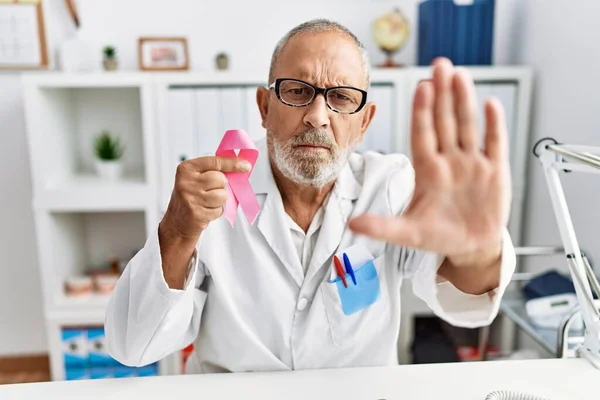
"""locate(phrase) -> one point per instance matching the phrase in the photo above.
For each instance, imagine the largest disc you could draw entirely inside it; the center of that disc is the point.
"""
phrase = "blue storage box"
(86, 357)
(149, 370)
(97, 351)
(125, 372)
(102, 372)
(75, 348)
(462, 33)
(77, 373)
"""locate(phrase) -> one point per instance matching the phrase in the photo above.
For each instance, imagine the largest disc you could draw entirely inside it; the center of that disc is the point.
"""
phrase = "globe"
(390, 33)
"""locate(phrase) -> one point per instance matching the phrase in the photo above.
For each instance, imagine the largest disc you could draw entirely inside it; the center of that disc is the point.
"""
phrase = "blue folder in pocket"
(366, 291)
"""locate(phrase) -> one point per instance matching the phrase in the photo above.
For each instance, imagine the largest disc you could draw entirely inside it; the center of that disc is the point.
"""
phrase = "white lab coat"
(247, 305)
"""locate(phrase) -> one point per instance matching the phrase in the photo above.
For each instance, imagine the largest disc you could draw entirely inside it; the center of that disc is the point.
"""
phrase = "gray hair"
(315, 26)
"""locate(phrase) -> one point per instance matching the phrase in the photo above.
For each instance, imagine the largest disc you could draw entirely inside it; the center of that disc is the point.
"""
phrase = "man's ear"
(368, 113)
(262, 99)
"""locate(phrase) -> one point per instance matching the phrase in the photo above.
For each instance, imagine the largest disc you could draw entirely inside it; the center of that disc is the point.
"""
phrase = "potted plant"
(222, 61)
(109, 152)
(110, 58)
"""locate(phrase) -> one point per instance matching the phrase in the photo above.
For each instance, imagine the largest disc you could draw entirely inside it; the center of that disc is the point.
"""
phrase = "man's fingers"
(223, 164)
(466, 111)
(212, 180)
(496, 141)
(423, 140)
(213, 213)
(399, 230)
(445, 121)
(213, 198)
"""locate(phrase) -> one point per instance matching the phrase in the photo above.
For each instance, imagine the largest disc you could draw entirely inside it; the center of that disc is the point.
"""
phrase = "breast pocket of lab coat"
(353, 320)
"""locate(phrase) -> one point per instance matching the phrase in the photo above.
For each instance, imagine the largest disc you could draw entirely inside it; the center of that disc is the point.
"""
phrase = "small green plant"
(110, 52)
(108, 147)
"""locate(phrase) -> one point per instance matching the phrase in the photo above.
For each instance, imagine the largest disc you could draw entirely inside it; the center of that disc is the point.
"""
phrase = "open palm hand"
(461, 199)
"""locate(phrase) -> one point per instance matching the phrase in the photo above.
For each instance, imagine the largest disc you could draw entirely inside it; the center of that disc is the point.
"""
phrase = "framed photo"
(163, 54)
(22, 35)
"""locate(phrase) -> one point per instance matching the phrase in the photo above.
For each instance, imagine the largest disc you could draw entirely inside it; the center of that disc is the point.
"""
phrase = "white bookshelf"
(81, 220)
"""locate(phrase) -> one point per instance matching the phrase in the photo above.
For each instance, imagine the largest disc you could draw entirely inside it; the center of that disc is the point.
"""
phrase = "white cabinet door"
(379, 135)
(232, 108)
(507, 94)
(209, 125)
(178, 139)
(180, 135)
(253, 124)
(221, 109)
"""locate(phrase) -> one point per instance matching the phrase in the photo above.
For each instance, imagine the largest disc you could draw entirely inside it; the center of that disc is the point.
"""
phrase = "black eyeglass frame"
(318, 90)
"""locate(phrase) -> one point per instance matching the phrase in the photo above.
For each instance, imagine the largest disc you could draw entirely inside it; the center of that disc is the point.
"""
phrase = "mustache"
(314, 137)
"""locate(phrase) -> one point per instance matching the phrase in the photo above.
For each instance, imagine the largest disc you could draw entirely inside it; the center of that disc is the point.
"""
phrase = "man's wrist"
(176, 252)
(482, 258)
(170, 238)
(474, 273)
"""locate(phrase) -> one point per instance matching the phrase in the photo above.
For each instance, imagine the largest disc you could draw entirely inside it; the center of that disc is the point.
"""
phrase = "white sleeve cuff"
(191, 272)
(153, 246)
(454, 306)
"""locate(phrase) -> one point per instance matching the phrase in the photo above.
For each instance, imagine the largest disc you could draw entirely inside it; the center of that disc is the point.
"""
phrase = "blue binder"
(462, 33)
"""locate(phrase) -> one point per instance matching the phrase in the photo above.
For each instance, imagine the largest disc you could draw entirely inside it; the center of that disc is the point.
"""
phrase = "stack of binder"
(463, 33)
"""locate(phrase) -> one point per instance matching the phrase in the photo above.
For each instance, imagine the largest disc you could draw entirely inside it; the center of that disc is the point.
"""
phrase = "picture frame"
(24, 44)
(163, 54)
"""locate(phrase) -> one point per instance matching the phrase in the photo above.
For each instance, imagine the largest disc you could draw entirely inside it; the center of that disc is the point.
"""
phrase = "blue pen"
(349, 269)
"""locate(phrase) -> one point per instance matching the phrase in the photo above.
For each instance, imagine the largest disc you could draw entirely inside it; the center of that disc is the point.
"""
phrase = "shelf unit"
(81, 220)
(164, 116)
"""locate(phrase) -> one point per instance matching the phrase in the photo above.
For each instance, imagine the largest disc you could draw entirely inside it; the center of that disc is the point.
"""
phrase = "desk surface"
(457, 381)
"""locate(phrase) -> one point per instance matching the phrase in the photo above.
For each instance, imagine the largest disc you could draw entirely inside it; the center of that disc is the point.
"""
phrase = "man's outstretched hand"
(462, 194)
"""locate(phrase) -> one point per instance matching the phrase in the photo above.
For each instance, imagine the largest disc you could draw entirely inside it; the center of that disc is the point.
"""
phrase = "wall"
(565, 108)
(255, 25)
(247, 30)
(21, 326)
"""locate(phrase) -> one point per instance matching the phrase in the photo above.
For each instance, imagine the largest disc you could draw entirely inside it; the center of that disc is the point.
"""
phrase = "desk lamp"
(557, 157)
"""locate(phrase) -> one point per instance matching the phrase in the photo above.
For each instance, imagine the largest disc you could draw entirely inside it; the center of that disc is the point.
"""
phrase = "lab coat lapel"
(271, 221)
(335, 221)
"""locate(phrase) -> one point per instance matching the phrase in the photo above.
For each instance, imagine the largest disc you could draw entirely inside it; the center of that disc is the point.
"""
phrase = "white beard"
(315, 170)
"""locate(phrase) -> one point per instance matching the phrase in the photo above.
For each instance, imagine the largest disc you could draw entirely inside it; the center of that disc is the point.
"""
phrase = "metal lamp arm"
(556, 157)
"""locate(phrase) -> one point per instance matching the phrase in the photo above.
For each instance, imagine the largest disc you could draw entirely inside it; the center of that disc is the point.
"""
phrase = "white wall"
(21, 319)
(256, 26)
(566, 105)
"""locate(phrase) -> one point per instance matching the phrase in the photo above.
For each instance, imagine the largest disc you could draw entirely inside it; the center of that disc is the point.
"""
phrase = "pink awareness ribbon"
(239, 191)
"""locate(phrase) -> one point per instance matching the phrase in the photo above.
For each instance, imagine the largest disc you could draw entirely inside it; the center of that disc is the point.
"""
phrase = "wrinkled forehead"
(324, 59)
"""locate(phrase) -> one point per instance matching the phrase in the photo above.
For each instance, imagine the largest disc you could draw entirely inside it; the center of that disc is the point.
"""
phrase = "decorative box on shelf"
(85, 357)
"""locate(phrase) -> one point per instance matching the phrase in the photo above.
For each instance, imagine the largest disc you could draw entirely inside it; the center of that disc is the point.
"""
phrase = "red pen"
(340, 270)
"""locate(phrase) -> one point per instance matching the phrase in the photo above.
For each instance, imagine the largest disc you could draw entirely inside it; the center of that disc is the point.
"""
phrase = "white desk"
(461, 381)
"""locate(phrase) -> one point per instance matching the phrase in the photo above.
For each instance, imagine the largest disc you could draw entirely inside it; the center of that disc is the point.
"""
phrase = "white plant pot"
(109, 170)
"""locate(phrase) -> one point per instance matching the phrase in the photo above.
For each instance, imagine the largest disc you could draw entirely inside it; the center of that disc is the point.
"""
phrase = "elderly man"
(266, 295)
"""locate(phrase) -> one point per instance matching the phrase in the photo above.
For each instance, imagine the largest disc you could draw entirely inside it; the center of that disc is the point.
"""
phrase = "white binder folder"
(253, 120)
(379, 135)
(181, 126)
(233, 108)
(209, 129)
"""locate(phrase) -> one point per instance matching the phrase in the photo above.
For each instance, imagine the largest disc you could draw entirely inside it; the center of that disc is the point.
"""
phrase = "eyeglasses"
(340, 99)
